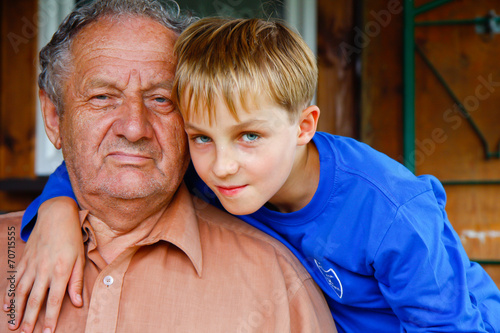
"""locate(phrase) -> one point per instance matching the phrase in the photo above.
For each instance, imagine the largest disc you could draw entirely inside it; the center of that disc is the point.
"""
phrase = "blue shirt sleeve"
(421, 252)
(58, 185)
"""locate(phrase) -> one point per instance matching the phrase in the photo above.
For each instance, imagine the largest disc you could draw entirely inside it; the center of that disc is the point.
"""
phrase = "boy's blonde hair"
(240, 59)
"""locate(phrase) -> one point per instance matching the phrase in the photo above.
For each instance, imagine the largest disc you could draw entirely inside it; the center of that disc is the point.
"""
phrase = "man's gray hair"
(55, 57)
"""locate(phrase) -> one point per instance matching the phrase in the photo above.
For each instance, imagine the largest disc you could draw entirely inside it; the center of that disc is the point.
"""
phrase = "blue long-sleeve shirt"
(376, 239)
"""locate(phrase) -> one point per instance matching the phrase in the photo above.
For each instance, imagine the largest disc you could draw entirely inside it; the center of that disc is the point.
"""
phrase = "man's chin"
(130, 192)
(130, 186)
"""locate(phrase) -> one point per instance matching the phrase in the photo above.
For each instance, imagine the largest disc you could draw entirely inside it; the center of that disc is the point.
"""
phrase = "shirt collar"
(178, 225)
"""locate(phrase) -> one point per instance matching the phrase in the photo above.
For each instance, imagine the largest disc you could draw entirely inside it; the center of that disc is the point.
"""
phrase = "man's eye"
(161, 99)
(101, 97)
(202, 139)
(249, 137)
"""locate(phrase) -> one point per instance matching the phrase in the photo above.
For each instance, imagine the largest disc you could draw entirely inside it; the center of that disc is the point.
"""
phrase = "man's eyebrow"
(99, 83)
(167, 84)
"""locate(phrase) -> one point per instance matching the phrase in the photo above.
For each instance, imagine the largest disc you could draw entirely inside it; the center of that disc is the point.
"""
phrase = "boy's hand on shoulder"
(53, 257)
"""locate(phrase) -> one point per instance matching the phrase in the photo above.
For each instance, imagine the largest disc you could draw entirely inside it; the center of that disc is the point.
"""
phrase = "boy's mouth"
(230, 190)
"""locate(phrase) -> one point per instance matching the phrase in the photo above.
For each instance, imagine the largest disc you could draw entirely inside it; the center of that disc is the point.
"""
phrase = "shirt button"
(108, 280)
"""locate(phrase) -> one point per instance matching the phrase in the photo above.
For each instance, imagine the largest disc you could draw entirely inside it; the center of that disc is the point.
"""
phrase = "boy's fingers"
(22, 293)
(54, 302)
(33, 305)
(19, 296)
(75, 285)
(13, 282)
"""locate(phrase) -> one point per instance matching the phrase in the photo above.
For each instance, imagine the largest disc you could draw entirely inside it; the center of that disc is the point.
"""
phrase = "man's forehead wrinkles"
(121, 50)
(154, 57)
(146, 82)
(122, 69)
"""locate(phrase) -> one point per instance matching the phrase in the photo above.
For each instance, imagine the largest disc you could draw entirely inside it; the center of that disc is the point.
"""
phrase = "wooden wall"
(468, 63)
(17, 98)
(445, 144)
(381, 78)
(337, 86)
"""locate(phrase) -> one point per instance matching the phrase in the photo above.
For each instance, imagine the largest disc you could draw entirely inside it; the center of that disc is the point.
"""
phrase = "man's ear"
(50, 119)
(308, 122)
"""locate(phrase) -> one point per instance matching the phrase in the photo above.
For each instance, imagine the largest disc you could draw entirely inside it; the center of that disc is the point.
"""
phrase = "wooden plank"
(473, 211)
(13, 202)
(494, 272)
(18, 99)
(467, 62)
(446, 144)
(336, 82)
(381, 76)
(18, 94)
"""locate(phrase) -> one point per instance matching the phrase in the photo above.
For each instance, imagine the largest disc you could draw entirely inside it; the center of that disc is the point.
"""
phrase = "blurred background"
(416, 79)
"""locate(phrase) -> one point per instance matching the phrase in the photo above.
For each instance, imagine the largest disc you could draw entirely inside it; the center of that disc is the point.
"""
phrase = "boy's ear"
(50, 119)
(308, 122)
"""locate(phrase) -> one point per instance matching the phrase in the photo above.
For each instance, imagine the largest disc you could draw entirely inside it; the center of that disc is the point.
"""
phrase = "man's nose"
(226, 162)
(134, 121)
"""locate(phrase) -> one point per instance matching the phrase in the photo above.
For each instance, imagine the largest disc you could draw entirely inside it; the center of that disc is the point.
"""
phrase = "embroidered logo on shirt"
(332, 279)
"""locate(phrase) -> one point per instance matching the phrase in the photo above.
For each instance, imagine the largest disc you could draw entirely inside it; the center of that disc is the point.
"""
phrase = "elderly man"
(154, 260)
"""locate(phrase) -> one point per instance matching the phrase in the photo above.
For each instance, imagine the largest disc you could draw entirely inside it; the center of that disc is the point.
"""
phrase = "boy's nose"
(225, 163)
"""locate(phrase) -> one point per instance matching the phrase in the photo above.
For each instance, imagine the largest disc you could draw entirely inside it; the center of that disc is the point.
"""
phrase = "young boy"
(375, 238)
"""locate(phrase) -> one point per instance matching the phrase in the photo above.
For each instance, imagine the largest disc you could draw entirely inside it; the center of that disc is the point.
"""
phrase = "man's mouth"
(129, 158)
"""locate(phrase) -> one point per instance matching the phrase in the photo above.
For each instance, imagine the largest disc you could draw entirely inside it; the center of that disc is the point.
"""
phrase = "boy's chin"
(242, 211)
(239, 208)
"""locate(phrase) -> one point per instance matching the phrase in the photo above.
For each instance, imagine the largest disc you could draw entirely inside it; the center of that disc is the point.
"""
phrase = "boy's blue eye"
(202, 139)
(249, 137)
